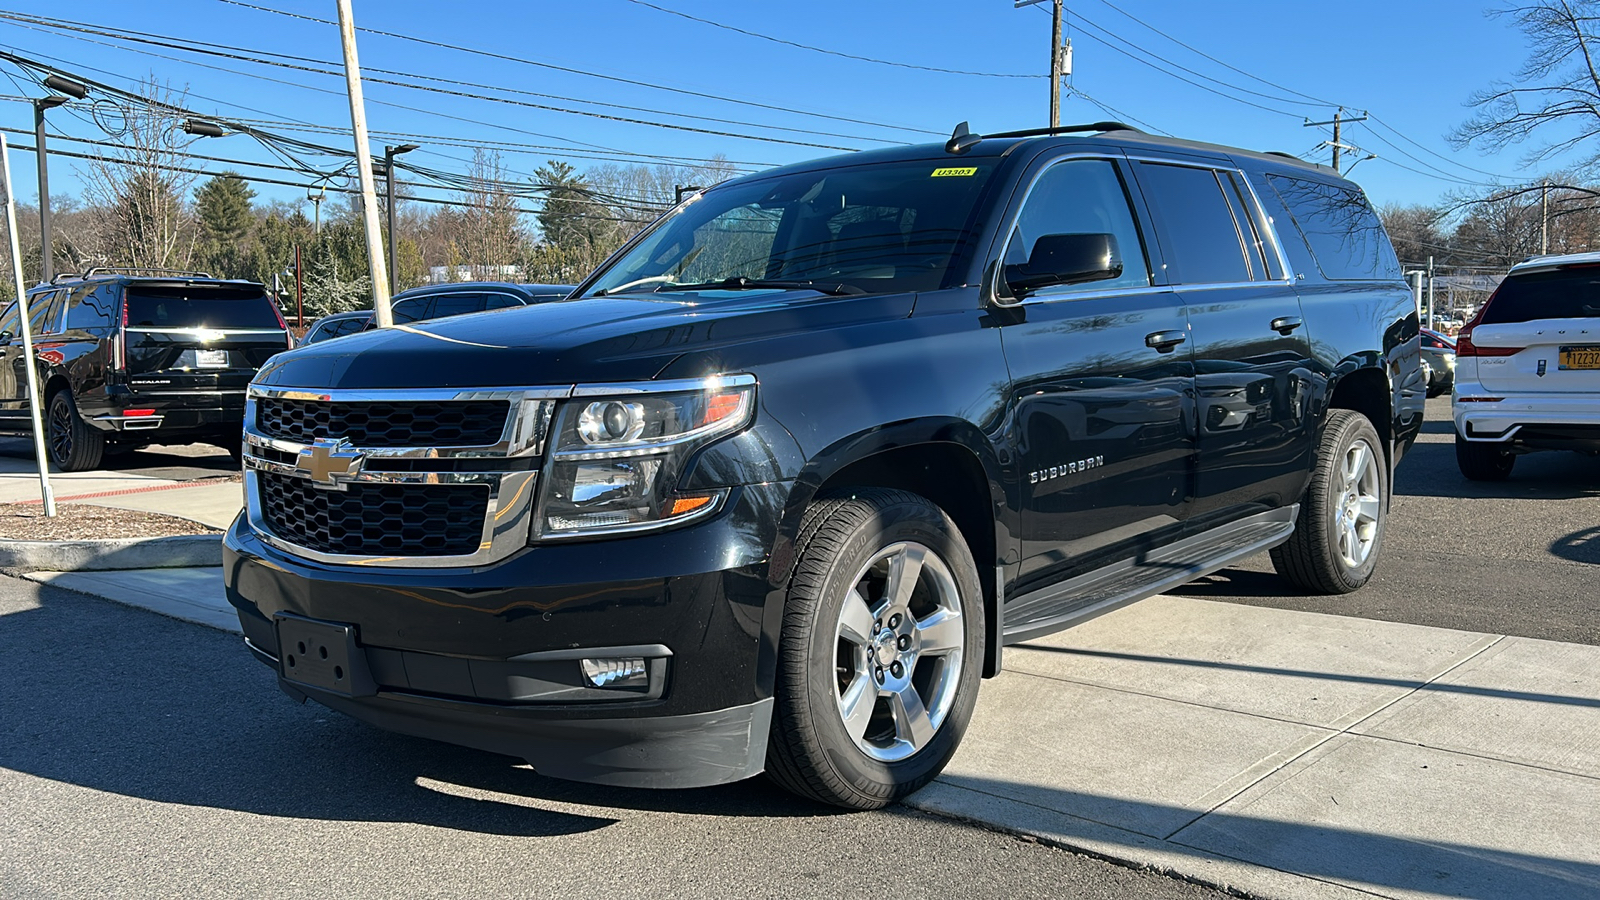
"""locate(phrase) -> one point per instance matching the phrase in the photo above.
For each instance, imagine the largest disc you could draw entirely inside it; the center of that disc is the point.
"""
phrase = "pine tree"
(225, 218)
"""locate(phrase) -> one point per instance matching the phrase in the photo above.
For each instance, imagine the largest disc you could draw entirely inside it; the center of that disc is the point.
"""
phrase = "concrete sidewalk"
(211, 501)
(1282, 754)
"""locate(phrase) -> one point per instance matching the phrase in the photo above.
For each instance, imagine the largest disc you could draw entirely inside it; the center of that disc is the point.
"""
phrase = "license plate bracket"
(322, 655)
(1580, 356)
(211, 359)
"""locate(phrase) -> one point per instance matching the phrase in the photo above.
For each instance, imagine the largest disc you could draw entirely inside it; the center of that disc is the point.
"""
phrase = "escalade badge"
(330, 463)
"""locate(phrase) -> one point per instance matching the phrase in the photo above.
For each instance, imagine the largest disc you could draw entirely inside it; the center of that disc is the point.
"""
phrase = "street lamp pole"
(389, 153)
(66, 89)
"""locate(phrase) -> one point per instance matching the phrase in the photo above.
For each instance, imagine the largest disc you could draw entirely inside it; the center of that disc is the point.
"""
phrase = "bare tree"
(492, 231)
(139, 188)
(1557, 91)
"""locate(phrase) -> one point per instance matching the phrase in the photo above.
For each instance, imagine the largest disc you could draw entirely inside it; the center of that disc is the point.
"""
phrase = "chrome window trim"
(162, 329)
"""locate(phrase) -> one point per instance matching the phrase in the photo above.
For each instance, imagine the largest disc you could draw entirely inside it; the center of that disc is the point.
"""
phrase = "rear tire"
(1483, 461)
(881, 650)
(1339, 532)
(72, 444)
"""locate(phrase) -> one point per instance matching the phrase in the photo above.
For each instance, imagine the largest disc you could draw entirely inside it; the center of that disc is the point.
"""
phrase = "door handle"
(1285, 324)
(1164, 341)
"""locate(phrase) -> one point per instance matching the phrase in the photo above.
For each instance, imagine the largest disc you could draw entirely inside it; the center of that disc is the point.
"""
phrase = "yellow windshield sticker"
(955, 173)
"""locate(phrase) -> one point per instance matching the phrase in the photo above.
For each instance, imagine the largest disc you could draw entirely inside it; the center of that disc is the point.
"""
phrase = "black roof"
(530, 291)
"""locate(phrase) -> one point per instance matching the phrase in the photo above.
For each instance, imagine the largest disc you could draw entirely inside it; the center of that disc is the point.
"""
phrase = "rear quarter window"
(194, 306)
(1340, 227)
(1572, 293)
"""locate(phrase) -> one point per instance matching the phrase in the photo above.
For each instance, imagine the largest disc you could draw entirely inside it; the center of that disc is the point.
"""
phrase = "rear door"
(1540, 333)
(1252, 353)
(184, 337)
(45, 312)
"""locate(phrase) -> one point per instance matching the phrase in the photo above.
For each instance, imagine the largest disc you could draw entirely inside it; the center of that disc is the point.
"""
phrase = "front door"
(1102, 413)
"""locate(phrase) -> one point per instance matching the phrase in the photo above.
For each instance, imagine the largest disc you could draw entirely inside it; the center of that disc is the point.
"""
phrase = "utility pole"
(389, 153)
(1337, 120)
(1060, 57)
(369, 193)
(1055, 67)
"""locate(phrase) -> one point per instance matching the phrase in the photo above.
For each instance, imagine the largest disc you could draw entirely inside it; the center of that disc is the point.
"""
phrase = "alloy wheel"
(1355, 515)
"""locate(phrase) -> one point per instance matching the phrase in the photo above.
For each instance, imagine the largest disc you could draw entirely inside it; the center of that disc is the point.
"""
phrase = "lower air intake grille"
(372, 519)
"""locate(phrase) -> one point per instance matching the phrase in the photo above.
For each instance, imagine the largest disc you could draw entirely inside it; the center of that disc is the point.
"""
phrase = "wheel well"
(1366, 391)
(56, 384)
(952, 478)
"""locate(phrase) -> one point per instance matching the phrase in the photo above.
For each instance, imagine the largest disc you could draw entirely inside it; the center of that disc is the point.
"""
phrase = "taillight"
(119, 347)
(288, 336)
(1465, 347)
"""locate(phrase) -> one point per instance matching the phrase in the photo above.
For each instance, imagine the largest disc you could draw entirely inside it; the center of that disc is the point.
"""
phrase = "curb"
(185, 551)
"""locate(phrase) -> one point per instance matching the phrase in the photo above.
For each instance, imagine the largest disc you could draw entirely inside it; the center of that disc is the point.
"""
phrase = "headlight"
(617, 456)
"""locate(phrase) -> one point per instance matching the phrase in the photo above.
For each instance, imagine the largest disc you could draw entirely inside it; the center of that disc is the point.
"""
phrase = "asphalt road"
(145, 757)
(1519, 557)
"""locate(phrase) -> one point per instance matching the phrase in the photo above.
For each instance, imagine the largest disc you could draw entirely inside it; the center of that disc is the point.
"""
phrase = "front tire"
(72, 444)
(1336, 539)
(1480, 461)
(881, 650)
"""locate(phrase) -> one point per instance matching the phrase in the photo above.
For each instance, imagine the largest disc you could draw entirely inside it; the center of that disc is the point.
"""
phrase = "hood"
(600, 339)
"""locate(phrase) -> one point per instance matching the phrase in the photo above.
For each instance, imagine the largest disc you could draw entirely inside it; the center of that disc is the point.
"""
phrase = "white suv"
(1528, 367)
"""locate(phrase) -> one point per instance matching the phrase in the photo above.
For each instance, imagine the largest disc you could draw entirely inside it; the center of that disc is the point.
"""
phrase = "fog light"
(616, 672)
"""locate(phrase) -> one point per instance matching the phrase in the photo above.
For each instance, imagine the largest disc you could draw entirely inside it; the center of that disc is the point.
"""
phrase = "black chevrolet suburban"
(775, 487)
(129, 357)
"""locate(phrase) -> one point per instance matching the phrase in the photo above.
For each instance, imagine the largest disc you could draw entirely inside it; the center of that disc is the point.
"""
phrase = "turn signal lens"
(682, 505)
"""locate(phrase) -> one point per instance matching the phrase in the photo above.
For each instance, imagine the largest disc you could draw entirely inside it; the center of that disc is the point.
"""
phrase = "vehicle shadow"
(144, 706)
(1430, 470)
(1582, 546)
(188, 462)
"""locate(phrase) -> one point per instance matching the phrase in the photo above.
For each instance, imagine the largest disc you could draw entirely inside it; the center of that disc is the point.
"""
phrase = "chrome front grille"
(472, 423)
(395, 478)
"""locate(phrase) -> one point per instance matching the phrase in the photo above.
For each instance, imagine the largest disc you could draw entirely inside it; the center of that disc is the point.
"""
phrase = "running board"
(1094, 593)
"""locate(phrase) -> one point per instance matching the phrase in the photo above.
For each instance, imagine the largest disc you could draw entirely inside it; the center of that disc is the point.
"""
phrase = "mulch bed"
(80, 521)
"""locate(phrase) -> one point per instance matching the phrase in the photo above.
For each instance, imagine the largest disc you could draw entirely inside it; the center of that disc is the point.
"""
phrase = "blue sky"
(1411, 63)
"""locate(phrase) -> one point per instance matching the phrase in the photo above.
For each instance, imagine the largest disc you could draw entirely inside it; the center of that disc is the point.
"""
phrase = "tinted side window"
(457, 304)
(44, 313)
(1197, 227)
(502, 301)
(411, 310)
(1081, 196)
(1344, 233)
(90, 307)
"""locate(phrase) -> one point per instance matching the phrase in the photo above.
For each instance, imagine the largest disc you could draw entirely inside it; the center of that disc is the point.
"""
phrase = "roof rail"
(143, 270)
(962, 140)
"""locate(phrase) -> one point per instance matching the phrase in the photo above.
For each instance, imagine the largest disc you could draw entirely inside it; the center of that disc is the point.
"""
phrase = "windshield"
(879, 228)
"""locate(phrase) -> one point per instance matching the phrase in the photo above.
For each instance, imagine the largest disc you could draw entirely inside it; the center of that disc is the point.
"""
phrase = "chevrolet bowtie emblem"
(330, 463)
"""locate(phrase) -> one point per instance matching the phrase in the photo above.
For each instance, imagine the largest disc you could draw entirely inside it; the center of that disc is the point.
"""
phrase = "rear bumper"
(210, 412)
(1525, 418)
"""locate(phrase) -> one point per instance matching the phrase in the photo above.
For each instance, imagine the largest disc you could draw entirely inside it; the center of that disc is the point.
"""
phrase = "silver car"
(1439, 359)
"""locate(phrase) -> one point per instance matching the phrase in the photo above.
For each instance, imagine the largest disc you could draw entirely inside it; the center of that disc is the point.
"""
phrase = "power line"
(172, 44)
(838, 53)
(571, 71)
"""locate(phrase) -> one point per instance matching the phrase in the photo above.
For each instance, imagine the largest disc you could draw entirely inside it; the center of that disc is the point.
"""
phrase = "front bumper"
(1526, 418)
(487, 657)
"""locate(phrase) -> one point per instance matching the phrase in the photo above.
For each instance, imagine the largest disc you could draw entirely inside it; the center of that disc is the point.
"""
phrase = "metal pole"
(369, 195)
(1544, 216)
(1055, 68)
(47, 495)
(46, 260)
(1430, 292)
(394, 243)
(299, 291)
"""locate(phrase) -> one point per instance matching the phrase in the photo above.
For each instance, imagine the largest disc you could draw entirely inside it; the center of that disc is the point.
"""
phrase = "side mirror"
(1066, 259)
(7, 337)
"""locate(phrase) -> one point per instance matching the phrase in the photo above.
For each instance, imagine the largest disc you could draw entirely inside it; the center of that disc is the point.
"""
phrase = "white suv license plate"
(211, 359)
(1580, 357)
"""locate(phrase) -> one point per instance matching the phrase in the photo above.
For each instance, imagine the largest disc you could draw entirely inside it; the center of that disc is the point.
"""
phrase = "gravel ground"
(76, 522)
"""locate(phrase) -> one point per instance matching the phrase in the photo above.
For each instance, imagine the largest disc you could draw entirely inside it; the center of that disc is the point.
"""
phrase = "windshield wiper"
(741, 283)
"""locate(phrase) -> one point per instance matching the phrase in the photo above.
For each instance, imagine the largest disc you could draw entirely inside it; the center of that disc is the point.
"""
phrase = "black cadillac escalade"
(776, 485)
